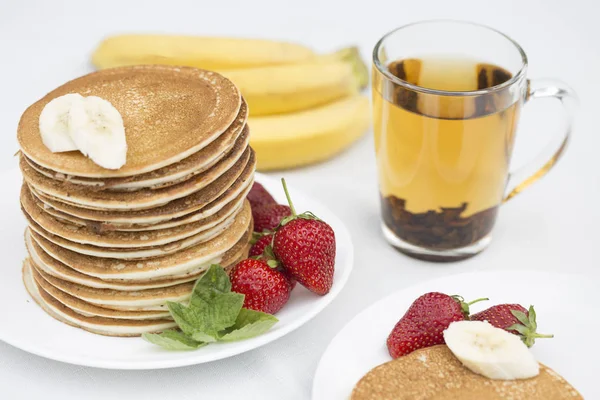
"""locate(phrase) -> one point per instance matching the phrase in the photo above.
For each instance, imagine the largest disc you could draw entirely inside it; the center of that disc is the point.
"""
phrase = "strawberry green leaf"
(249, 324)
(173, 340)
(532, 318)
(521, 316)
(269, 252)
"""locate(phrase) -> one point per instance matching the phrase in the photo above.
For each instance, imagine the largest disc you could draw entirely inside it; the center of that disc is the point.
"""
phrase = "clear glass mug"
(447, 97)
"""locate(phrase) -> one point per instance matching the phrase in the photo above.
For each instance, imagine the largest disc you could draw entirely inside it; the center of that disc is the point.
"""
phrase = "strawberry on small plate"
(565, 304)
(64, 343)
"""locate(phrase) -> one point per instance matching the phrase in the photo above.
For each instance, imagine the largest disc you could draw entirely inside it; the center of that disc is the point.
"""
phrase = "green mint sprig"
(214, 314)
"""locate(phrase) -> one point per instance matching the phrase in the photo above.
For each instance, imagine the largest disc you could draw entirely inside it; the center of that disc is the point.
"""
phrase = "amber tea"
(443, 160)
(446, 102)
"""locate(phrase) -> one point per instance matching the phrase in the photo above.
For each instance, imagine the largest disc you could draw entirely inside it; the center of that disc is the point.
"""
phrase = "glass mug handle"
(524, 176)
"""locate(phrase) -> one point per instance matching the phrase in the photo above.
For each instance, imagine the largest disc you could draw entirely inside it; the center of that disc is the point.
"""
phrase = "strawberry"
(265, 289)
(262, 250)
(513, 318)
(258, 248)
(268, 216)
(305, 247)
(258, 196)
(425, 321)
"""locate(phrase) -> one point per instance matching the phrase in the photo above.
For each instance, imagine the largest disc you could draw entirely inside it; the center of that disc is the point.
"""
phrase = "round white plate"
(566, 305)
(26, 326)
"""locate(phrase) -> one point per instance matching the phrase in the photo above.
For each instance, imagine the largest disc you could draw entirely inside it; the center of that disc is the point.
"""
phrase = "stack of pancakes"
(108, 248)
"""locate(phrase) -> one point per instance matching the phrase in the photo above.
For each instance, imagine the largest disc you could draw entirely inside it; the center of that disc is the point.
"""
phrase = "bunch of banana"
(304, 107)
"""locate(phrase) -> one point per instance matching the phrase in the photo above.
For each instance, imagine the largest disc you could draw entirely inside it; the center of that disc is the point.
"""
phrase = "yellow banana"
(294, 87)
(211, 53)
(305, 137)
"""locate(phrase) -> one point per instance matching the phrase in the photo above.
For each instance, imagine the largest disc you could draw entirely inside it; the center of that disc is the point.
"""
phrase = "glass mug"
(447, 97)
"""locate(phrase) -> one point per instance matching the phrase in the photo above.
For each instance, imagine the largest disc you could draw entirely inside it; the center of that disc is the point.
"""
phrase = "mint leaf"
(190, 320)
(213, 307)
(173, 340)
(248, 324)
(213, 281)
(213, 314)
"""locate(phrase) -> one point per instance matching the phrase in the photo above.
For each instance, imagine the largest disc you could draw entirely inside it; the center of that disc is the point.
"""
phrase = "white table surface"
(553, 226)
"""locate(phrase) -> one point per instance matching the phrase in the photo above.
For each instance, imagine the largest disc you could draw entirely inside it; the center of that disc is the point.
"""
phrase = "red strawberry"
(258, 248)
(262, 250)
(266, 289)
(305, 247)
(268, 216)
(513, 318)
(425, 321)
(258, 196)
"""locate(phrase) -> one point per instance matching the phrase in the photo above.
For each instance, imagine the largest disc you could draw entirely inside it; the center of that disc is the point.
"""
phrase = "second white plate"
(26, 326)
(566, 305)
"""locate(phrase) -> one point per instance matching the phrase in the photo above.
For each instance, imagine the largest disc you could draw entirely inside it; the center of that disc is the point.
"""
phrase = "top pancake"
(434, 373)
(169, 114)
(171, 174)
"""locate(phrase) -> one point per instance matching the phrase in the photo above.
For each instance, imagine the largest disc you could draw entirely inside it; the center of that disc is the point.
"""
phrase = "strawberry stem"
(464, 306)
(287, 195)
(527, 326)
(477, 301)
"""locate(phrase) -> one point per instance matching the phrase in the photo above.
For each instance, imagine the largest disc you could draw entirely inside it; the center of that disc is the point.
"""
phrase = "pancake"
(175, 209)
(178, 265)
(434, 373)
(136, 253)
(41, 260)
(116, 239)
(171, 174)
(91, 310)
(169, 114)
(99, 325)
(132, 200)
(225, 200)
(130, 300)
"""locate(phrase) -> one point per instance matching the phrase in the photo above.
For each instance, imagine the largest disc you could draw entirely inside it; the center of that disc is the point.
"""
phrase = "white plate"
(26, 326)
(566, 305)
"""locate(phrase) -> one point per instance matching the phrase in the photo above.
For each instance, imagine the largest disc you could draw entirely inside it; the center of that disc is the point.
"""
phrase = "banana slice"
(97, 130)
(490, 351)
(54, 123)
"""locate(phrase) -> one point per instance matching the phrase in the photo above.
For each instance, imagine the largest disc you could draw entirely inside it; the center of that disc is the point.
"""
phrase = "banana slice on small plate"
(490, 351)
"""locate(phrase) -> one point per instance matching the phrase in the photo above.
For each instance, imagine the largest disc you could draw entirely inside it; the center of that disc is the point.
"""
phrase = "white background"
(553, 226)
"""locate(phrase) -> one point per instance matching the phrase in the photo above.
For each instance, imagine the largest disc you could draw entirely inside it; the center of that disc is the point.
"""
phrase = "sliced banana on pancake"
(55, 122)
(490, 351)
(98, 131)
